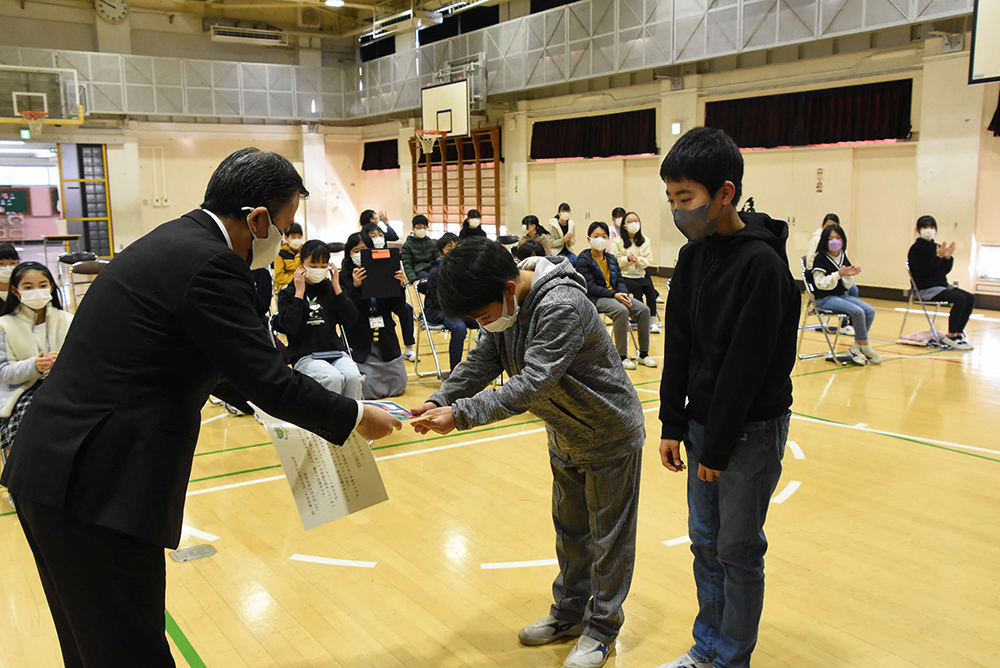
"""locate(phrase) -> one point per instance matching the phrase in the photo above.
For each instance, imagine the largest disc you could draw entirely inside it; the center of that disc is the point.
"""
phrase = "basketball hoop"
(427, 138)
(36, 119)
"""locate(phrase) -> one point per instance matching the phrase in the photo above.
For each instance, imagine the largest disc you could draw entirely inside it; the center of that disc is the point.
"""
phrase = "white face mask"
(356, 259)
(5, 273)
(564, 215)
(263, 251)
(295, 243)
(618, 222)
(524, 230)
(928, 233)
(599, 243)
(504, 321)
(474, 222)
(36, 299)
(632, 227)
(420, 232)
(378, 242)
(317, 274)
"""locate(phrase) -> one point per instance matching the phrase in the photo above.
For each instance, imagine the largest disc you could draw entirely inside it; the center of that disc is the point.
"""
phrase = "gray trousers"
(620, 315)
(594, 509)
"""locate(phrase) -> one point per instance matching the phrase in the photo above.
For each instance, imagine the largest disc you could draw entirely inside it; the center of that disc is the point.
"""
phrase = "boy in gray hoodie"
(540, 327)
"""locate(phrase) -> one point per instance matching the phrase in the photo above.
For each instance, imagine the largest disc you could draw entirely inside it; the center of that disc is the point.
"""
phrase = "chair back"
(807, 279)
(88, 267)
(80, 256)
(419, 286)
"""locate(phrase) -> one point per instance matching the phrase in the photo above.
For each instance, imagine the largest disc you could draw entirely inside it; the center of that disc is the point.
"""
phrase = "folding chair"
(824, 317)
(88, 268)
(631, 334)
(915, 291)
(423, 325)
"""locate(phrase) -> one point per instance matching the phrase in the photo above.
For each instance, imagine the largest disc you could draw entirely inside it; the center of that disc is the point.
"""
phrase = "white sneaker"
(547, 629)
(409, 355)
(686, 661)
(629, 363)
(957, 343)
(648, 361)
(588, 653)
(858, 357)
(847, 330)
(660, 299)
(873, 357)
(654, 328)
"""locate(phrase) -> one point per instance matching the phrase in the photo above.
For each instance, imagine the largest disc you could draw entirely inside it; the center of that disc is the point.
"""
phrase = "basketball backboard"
(445, 107)
(48, 91)
(984, 64)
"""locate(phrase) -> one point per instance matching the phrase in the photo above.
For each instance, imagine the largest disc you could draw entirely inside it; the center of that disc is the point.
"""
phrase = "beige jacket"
(643, 255)
(558, 241)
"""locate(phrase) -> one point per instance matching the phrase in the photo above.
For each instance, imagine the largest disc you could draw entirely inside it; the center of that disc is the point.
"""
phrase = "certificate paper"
(328, 481)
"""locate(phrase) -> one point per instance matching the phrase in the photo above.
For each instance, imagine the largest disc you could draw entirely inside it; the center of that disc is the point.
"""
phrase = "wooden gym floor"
(884, 538)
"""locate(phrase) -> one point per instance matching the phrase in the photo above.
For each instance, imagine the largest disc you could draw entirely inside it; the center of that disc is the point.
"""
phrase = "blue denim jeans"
(726, 526)
(456, 342)
(861, 313)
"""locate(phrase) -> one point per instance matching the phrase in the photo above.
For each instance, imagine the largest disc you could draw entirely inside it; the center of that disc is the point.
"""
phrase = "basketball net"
(427, 138)
(35, 119)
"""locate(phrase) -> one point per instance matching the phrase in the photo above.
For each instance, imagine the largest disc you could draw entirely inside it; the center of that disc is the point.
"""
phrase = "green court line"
(183, 644)
(903, 438)
(242, 447)
(6, 514)
(226, 475)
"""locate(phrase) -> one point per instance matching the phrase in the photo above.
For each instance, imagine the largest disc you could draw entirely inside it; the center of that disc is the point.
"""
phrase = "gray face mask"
(694, 223)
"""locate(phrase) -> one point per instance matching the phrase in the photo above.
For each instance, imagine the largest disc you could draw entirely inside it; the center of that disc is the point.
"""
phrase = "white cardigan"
(643, 254)
(558, 240)
(21, 341)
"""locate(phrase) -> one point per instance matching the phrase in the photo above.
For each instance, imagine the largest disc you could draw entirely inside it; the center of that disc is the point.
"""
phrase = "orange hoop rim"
(439, 133)
(34, 115)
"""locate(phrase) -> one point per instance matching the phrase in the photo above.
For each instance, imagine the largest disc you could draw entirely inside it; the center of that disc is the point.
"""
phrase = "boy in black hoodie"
(731, 324)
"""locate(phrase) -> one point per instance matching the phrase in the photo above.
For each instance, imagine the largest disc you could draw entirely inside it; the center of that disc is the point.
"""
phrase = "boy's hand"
(377, 423)
(707, 474)
(670, 455)
(624, 299)
(442, 422)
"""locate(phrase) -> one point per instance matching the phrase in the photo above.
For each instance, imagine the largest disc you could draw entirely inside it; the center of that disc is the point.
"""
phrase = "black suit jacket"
(110, 434)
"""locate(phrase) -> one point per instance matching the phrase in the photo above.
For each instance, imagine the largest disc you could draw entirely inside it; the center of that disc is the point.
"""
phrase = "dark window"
(383, 47)
(545, 5)
(460, 24)
(629, 133)
(851, 113)
(381, 155)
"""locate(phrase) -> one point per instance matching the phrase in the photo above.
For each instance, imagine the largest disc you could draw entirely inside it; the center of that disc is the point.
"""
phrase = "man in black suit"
(101, 461)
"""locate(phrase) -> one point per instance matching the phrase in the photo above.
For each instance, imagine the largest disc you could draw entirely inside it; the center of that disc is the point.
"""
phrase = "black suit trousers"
(106, 590)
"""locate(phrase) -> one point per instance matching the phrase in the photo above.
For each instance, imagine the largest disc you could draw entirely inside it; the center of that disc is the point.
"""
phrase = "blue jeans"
(726, 526)
(572, 256)
(456, 342)
(340, 376)
(861, 313)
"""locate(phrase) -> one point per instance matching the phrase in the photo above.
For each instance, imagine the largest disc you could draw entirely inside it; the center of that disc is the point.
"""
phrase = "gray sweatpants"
(594, 509)
(620, 316)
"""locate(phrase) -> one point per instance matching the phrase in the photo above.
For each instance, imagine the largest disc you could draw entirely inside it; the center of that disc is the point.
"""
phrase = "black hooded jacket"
(731, 323)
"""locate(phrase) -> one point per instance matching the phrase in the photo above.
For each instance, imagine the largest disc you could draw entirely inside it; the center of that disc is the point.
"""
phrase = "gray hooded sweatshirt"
(563, 367)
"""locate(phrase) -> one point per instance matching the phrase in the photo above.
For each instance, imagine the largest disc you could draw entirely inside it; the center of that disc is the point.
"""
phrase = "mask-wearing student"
(930, 263)
(634, 253)
(8, 260)
(457, 327)
(730, 332)
(606, 289)
(419, 251)
(532, 230)
(309, 311)
(369, 217)
(541, 329)
(830, 219)
(472, 226)
(833, 277)
(287, 262)
(32, 330)
(617, 218)
(563, 231)
(528, 249)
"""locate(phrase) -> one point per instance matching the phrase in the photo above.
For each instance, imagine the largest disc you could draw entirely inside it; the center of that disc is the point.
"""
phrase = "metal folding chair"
(824, 317)
(608, 323)
(422, 325)
(931, 319)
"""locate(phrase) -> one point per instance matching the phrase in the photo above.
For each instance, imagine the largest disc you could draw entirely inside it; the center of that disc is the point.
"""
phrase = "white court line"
(677, 541)
(861, 425)
(333, 562)
(895, 435)
(974, 316)
(787, 492)
(234, 485)
(796, 450)
(213, 419)
(642, 389)
(519, 564)
(198, 533)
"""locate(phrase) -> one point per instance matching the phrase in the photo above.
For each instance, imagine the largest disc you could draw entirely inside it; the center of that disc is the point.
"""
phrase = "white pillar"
(675, 107)
(123, 181)
(948, 154)
(406, 175)
(515, 148)
(314, 175)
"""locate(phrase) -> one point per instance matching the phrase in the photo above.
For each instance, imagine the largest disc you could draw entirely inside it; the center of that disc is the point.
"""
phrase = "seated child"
(459, 327)
(528, 249)
(541, 329)
(308, 313)
(288, 257)
(634, 254)
(930, 263)
(32, 330)
(532, 230)
(419, 251)
(372, 237)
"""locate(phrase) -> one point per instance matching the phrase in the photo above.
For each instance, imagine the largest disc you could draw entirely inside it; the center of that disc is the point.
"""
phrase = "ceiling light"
(11, 143)
(334, 3)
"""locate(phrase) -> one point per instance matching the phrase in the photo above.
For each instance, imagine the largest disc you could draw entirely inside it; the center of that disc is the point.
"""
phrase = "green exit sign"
(25, 134)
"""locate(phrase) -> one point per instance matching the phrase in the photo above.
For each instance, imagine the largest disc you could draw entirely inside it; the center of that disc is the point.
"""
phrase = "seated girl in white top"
(634, 254)
(32, 330)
